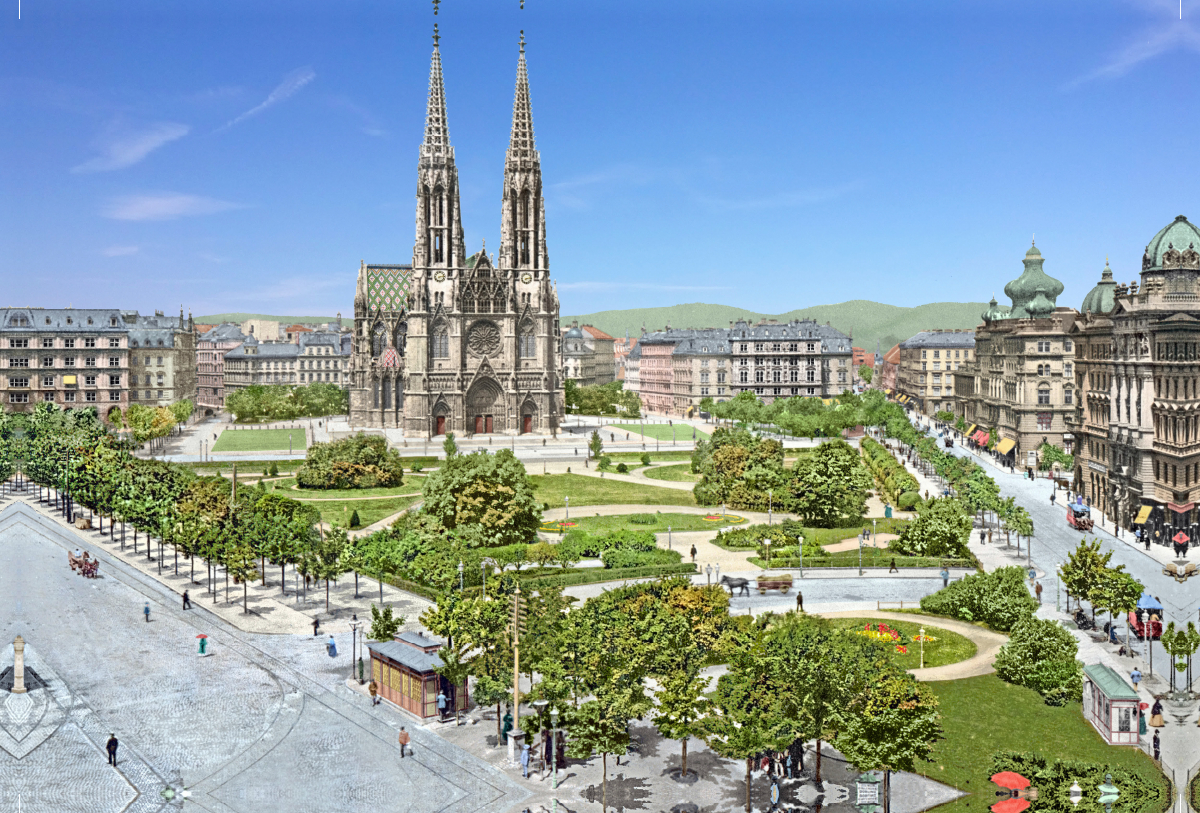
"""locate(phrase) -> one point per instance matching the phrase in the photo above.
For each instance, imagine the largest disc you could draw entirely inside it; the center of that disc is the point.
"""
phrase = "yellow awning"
(1005, 446)
(1143, 514)
(889, 392)
(68, 379)
(970, 430)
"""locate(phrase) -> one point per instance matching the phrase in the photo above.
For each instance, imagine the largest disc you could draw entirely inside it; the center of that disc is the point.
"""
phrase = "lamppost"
(460, 575)
(567, 500)
(770, 506)
(1109, 793)
(353, 650)
(708, 572)
(860, 546)
(800, 541)
(668, 537)
(767, 545)
(554, 760)
(874, 530)
(717, 572)
(922, 631)
(289, 442)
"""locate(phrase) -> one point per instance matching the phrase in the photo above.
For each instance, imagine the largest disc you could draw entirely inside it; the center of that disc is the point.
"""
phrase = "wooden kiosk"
(1110, 704)
(403, 670)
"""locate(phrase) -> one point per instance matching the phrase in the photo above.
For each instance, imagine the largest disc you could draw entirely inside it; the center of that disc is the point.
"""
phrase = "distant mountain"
(866, 321)
(218, 318)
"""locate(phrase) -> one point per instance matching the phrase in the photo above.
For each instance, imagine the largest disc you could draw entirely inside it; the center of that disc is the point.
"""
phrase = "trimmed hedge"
(893, 479)
(999, 599)
(592, 575)
(360, 461)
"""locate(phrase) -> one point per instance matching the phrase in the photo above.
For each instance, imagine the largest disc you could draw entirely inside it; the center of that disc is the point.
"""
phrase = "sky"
(767, 154)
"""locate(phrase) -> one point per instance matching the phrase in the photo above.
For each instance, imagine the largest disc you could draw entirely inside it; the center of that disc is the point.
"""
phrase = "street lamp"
(567, 500)
(289, 442)
(800, 541)
(717, 572)
(668, 537)
(554, 759)
(1109, 793)
(860, 544)
(460, 575)
(354, 624)
(922, 631)
(770, 506)
(767, 545)
(708, 572)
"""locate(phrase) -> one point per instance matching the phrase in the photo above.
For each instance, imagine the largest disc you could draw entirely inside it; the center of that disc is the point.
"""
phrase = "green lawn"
(830, 536)
(661, 431)
(655, 457)
(251, 468)
(259, 440)
(551, 488)
(412, 483)
(620, 522)
(949, 647)
(337, 512)
(676, 474)
(983, 715)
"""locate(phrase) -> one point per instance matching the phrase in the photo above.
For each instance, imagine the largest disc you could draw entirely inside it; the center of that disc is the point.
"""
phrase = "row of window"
(68, 361)
(780, 376)
(48, 342)
(937, 354)
(779, 391)
(88, 381)
(777, 347)
(91, 396)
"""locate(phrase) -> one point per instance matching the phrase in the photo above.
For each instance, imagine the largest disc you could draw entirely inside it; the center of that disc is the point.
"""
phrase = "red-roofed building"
(588, 355)
(621, 349)
(885, 373)
(294, 332)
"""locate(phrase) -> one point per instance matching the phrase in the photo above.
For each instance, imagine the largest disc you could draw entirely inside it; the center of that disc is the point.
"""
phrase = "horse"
(735, 584)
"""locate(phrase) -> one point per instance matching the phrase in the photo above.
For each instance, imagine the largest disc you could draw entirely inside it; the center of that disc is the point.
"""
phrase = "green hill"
(218, 318)
(866, 321)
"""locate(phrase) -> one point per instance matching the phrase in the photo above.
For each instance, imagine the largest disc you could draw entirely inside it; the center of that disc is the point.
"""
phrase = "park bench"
(780, 583)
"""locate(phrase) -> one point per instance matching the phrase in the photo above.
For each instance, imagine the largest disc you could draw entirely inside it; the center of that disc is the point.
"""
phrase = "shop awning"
(1005, 446)
(1143, 514)
(888, 392)
(1181, 509)
(983, 438)
(971, 429)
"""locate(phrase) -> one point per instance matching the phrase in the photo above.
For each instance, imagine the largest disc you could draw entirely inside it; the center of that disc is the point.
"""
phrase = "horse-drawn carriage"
(782, 583)
(84, 565)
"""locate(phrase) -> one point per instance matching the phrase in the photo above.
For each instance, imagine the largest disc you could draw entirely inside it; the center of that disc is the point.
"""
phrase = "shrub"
(416, 468)
(274, 469)
(645, 458)
(581, 544)
(1054, 780)
(543, 554)
(622, 468)
(908, 500)
(999, 599)
(643, 519)
(628, 557)
(1040, 654)
(360, 461)
(753, 535)
(605, 463)
(354, 521)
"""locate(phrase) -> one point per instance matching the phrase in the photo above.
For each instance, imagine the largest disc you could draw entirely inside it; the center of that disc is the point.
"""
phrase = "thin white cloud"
(168, 206)
(644, 286)
(1152, 43)
(802, 197)
(119, 251)
(291, 84)
(120, 147)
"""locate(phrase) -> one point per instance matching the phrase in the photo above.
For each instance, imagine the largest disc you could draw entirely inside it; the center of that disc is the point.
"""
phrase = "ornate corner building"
(457, 343)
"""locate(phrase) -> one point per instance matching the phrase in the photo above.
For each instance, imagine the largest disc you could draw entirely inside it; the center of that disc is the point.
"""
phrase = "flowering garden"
(903, 640)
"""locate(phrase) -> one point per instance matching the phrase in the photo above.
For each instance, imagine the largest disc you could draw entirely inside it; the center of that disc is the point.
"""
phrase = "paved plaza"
(265, 723)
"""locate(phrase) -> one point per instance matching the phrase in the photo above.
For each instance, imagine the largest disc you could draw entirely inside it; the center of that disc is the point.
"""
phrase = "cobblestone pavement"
(264, 724)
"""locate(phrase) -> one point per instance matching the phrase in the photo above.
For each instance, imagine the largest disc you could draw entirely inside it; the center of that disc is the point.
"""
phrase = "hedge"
(893, 479)
(999, 599)
(591, 575)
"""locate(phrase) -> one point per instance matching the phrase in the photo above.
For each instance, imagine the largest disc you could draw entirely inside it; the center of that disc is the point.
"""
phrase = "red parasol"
(1010, 806)
(1181, 537)
(202, 635)
(1010, 780)
(1143, 706)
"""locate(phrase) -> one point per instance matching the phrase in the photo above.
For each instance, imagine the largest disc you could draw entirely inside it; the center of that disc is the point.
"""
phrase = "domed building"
(1138, 417)
(588, 357)
(1019, 392)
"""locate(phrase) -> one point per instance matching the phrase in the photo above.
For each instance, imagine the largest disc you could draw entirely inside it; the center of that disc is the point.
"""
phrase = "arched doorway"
(528, 417)
(441, 418)
(485, 408)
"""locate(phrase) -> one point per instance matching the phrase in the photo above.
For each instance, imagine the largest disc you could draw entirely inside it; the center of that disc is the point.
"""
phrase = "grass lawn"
(551, 488)
(259, 440)
(983, 715)
(337, 512)
(655, 457)
(661, 431)
(830, 536)
(950, 647)
(251, 468)
(287, 487)
(620, 522)
(676, 474)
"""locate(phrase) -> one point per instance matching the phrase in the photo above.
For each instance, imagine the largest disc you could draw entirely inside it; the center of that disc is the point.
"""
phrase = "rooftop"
(940, 338)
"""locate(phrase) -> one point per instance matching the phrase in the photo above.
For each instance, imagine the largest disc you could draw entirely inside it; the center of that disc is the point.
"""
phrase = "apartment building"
(799, 358)
(927, 367)
(211, 348)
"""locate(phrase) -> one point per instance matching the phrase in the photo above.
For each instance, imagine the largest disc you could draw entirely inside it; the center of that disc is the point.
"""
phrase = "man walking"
(1053, 497)
(111, 747)
(1038, 591)
(799, 602)
(187, 602)
(1136, 677)
(1157, 748)
(525, 757)
(441, 705)
(945, 577)
(982, 537)
(316, 625)
(693, 554)
(373, 689)
(403, 741)
(146, 612)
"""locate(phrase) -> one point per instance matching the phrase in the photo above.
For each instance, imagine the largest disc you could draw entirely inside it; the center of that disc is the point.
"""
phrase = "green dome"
(1024, 288)
(994, 311)
(1040, 307)
(1103, 298)
(1175, 246)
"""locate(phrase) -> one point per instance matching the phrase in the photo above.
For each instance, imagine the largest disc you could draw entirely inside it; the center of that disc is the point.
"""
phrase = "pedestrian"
(316, 625)
(525, 761)
(1157, 748)
(799, 602)
(403, 741)
(1156, 718)
(187, 602)
(982, 537)
(1038, 590)
(1053, 496)
(373, 689)
(989, 536)
(332, 647)
(1136, 677)
(1147, 540)
(945, 577)
(146, 612)
(441, 705)
(893, 568)
(788, 765)
(693, 554)
(111, 747)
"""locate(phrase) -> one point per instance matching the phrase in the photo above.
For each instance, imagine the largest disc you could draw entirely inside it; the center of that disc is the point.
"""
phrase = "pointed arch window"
(527, 342)
(441, 342)
(378, 341)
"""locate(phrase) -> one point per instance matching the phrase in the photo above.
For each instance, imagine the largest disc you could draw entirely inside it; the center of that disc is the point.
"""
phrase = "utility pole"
(516, 736)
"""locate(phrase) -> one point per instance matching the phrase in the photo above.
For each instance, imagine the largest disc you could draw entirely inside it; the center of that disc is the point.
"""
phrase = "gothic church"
(457, 343)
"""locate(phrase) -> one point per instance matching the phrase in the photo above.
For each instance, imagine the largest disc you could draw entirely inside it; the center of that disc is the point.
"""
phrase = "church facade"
(451, 342)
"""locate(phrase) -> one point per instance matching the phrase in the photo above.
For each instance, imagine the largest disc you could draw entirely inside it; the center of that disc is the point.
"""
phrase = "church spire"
(520, 143)
(437, 128)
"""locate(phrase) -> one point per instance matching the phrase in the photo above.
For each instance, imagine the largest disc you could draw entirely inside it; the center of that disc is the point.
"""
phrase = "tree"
(892, 726)
(866, 372)
(830, 485)
(449, 446)
(682, 707)
(941, 529)
(1083, 570)
(1022, 524)
(601, 725)
(359, 461)
(490, 491)
(1040, 654)
(1116, 592)
(383, 624)
(595, 444)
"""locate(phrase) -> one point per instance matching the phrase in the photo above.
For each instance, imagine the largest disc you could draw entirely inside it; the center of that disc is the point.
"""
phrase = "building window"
(745, 377)
(69, 361)
(937, 354)
(1043, 396)
(90, 396)
(1068, 397)
(159, 360)
(18, 382)
(47, 342)
(114, 361)
(1067, 345)
(18, 398)
(18, 342)
(441, 344)
(68, 396)
(89, 361)
(18, 362)
(1044, 421)
(133, 395)
(811, 391)
(160, 394)
(114, 342)
(1068, 369)
(114, 395)
(89, 380)
(114, 381)
(89, 342)
(69, 343)
(1043, 347)
(47, 381)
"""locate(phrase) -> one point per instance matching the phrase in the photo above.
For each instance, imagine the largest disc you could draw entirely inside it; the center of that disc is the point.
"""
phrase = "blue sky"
(769, 154)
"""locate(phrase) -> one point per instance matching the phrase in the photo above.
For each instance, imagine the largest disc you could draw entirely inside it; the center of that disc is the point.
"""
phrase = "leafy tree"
(1040, 654)
(866, 372)
(449, 446)
(998, 598)
(1020, 522)
(941, 528)
(944, 416)
(596, 445)
(830, 485)
(360, 461)
(682, 705)
(489, 491)
(1084, 569)
(1116, 592)
(383, 624)
(600, 726)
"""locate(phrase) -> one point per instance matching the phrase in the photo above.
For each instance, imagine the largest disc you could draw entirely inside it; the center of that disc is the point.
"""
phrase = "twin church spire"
(440, 242)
